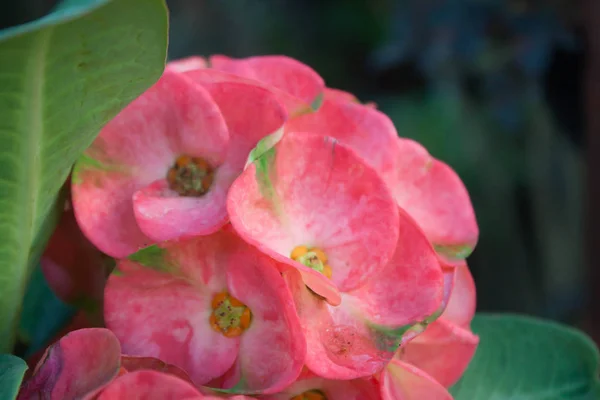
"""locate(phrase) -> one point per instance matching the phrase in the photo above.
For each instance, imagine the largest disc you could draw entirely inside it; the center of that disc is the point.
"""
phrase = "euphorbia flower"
(153, 385)
(434, 195)
(446, 347)
(360, 336)
(312, 387)
(209, 305)
(80, 363)
(161, 169)
(314, 205)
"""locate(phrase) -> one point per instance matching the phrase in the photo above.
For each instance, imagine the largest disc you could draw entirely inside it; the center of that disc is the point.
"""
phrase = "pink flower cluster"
(274, 238)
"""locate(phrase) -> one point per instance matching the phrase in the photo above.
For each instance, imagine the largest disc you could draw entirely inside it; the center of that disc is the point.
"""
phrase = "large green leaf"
(61, 79)
(12, 370)
(529, 359)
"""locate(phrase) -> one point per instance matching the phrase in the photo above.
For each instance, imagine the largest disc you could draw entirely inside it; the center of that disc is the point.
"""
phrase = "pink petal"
(281, 72)
(402, 381)
(149, 385)
(284, 199)
(175, 116)
(251, 113)
(370, 133)
(187, 64)
(102, 205)
(443, 351)
(339, 95)
(166, 316)
(293, 105)
(432, 193)
(79, 363)
(357, 389)
(339, 345)
(461, 306)
(411, 286)
(132, 363)
(164, 215)
(162, 308)
(273, 349)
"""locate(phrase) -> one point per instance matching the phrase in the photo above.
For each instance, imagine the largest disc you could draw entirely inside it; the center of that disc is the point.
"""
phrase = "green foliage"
(12, 370)
(152, 257)
(61, 79)
(530, 359)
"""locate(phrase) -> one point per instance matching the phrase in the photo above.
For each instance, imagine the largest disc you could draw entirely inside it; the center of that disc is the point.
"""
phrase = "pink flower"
(318, 208)
(446, 347)
(161, 169)
(312, 387)
(345, 253)
(211, 305)
(79, 364)
(153, 385)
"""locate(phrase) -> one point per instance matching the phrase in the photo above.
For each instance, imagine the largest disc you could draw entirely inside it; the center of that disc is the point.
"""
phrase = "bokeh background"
(494, 88)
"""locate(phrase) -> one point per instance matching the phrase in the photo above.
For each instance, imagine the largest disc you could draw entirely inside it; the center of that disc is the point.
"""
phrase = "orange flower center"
(230, 316)
(190, 176)
(313, 257)
(310, 395)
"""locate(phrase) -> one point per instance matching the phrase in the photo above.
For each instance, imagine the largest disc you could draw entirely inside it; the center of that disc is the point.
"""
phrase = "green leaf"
(152, 257)
(61, 79)
(43, 314)
(529, 359)
(12, 370)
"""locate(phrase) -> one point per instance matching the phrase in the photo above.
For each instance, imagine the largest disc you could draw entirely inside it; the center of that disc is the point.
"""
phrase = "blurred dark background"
(497, 89)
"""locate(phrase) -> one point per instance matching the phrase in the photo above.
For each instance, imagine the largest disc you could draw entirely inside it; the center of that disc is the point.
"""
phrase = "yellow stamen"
(230, 317)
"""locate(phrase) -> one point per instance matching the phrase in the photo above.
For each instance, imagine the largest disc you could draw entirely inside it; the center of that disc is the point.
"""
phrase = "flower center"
(314, 258)
(230, 316)
(190, 176)
(310, 395)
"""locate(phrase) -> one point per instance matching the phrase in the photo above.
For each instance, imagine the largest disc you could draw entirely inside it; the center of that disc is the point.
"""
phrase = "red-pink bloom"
(211, 305)
(360, 336)
(434, 195)
(82, 362)
(150, 385)
(309, 192)
(153, 385)
(161, 169)
(310, 386)
(446, 347)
